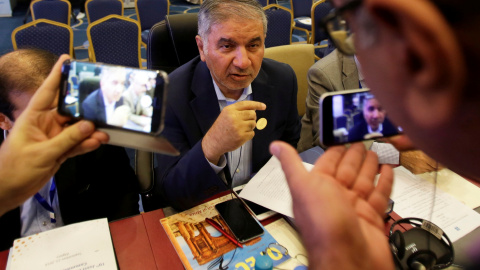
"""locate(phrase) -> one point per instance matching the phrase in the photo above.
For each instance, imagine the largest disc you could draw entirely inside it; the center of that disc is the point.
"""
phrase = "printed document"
(269, 188)
(84, 245)
(416, 197)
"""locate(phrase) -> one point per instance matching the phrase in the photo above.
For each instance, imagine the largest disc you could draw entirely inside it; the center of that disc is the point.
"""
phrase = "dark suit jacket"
(94, 107)
(95, 185)
(192, 108)
(357, 132)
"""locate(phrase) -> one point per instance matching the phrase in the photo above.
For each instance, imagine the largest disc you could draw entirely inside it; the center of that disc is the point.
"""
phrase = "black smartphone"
(261, 213)
(112, 96)
(242, 224)
(352, 116)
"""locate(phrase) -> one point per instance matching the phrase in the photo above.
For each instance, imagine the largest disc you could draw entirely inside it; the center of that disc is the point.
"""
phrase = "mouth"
(239, 77)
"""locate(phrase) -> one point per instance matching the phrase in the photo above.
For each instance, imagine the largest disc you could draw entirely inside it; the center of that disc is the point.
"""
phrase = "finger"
(363, 185)
(379, 197)
(48, 91)
(350, 165)
(70, 137)
(328, 162)
(248, 115)
(401, 142)
(292, 165)
(250, 105)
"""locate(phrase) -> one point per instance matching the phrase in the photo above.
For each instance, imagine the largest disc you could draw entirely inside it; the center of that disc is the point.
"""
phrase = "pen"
(219, 228)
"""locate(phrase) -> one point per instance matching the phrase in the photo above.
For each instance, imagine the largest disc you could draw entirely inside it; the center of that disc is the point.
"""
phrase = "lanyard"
(45, 204)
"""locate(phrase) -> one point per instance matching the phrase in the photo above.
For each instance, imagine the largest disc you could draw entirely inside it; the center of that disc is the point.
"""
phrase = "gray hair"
(215, 11)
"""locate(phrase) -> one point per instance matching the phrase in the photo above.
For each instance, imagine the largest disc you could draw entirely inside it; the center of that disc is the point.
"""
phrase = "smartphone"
(351, 116)
(126, 103)
(243, 225)
(261, 213)
(112, 96)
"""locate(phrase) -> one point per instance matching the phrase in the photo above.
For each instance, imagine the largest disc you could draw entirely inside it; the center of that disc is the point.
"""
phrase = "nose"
(241, 59)
(375, 113)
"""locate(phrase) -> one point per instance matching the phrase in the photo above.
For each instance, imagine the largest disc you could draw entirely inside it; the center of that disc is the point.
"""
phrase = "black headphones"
(425, 246)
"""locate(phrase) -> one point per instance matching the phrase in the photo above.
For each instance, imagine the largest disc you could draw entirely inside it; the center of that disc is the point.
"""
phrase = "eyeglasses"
(337, 29)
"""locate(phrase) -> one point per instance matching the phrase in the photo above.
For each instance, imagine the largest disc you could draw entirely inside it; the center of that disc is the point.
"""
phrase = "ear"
(433, 61)
(5, 122)
(199, 41)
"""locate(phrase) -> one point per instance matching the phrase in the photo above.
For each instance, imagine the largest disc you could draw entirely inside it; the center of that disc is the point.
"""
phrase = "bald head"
(22, 71)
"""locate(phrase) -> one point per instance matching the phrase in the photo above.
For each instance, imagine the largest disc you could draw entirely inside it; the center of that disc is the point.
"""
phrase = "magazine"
(201, 246)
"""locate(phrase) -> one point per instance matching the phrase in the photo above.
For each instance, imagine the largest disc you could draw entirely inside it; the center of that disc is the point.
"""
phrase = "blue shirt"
(240, 160)
(34, 218)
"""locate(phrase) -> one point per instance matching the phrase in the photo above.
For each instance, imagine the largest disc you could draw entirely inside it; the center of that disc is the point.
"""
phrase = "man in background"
(374, 122)
(94, 185)
(100, 105)
(215, 100)
(137, 99)
(334, 72)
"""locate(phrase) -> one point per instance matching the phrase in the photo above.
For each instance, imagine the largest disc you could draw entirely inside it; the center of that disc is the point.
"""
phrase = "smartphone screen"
(113, 96)
(239, 221)
(354, 115)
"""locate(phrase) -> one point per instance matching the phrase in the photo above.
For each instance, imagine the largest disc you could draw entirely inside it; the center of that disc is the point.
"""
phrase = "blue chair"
(97, 9)
(150, 12)
(279, 29)
(301, 10)
(319, 10)
(115, 40)
(54, 10)
(44, 34)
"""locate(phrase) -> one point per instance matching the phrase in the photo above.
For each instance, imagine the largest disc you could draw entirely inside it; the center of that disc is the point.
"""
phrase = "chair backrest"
(319, 10)
(150, 12)
(171, 42)
(97, 9)
(54, 10)
(44, 34)
(300, 57)
(280, 23)
(115, 40)
(301, 8)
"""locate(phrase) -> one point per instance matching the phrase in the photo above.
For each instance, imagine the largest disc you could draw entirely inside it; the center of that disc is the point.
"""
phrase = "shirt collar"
(220, 96)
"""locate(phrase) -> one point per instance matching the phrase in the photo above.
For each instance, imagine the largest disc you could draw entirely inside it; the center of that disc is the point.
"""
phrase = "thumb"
(70, 137)
(292, 165)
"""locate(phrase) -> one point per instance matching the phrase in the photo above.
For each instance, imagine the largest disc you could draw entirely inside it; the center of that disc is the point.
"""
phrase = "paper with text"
(84, 245)
(415, 196)
(269, 188)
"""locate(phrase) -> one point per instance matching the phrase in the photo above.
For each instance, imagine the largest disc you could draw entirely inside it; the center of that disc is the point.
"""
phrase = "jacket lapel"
(204, 104)
(262, 92)
(350, 74)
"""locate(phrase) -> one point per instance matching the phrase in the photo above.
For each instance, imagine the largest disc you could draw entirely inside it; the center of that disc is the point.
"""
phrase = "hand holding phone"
(126, 103)
(351, 116)
(243, 225)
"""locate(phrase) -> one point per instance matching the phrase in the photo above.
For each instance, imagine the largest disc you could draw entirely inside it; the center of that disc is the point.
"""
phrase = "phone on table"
(242, 224)
(127, 103)
(352, 116)
(261, 213)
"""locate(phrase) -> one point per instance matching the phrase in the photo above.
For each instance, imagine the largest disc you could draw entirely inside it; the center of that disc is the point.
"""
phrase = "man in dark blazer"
(100, 105)
(94, 185)
(374, 122)
(214, 101)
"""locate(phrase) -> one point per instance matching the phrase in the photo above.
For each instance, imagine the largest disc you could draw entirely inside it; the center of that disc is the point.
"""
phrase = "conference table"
(141, 243)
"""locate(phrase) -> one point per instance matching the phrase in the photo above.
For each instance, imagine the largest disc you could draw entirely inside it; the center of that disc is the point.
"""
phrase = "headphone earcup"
(397, 243)
(422, 260)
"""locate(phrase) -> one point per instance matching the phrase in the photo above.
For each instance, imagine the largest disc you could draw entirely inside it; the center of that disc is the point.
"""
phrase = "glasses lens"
(341, 35)
(276, 251)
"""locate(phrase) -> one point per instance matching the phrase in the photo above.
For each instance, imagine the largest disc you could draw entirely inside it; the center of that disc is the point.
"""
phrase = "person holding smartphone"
(43, 159)
(420, 59)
